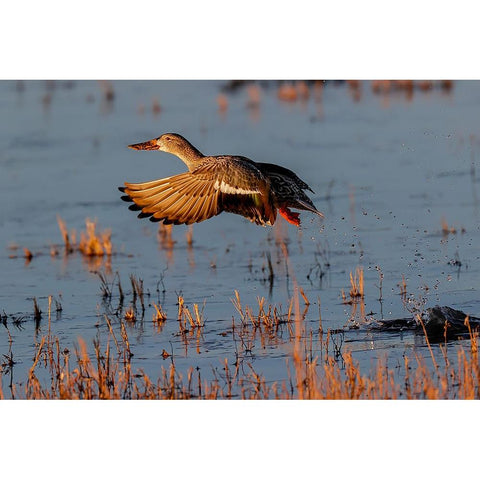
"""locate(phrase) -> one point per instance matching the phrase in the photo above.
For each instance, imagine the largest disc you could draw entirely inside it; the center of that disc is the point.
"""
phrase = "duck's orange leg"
(289, 216)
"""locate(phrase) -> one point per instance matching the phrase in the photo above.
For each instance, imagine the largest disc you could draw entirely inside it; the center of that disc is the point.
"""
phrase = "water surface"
(386, 170)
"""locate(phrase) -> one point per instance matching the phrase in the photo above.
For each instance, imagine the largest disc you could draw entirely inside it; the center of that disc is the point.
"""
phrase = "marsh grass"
(287, 93)
(403, 289)
(137, 291)
(301, 90)
(317, 367)
(356, 287)
(159, 316)
(91, 243)
(37, 313)
(165, 237)
(186, 318)
(356, 281)
(254, 96)
(68, 238)
(189, 236)
(130, 315)
(317, 363)
(448, 229)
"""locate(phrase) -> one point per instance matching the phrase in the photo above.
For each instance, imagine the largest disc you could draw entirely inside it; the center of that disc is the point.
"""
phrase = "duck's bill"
(150, 145)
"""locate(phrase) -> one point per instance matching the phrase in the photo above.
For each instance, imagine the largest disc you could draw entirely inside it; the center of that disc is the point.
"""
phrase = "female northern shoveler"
(223, 183)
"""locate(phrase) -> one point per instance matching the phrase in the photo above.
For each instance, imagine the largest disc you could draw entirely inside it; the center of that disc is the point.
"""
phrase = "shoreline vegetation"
(317, 366)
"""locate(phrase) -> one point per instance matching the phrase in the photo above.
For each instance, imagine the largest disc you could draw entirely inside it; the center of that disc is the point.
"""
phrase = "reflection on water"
(393, 165)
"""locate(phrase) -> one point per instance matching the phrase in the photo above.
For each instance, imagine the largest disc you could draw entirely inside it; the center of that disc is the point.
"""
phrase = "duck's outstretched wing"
(213, 187)
(178, 199)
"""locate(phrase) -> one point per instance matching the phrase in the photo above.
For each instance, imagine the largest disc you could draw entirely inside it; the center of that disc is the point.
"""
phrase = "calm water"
(385, 170)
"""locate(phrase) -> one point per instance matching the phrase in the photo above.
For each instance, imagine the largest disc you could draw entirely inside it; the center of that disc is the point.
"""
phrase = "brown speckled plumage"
(216, 184)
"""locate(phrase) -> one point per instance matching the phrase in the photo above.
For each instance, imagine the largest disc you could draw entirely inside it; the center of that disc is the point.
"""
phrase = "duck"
(216, 184)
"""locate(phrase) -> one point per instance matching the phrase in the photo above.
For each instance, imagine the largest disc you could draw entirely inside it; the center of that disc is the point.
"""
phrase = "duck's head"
(176, 145)
(168, 142)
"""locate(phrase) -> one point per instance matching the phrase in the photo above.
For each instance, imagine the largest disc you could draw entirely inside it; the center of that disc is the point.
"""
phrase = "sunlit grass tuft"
(91, 244)
(324, 371)
(356, 281)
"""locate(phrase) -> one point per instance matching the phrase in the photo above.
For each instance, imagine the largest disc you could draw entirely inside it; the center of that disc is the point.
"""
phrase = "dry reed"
(91, 244)
(317, 365)
(356, 282)
(107, 372)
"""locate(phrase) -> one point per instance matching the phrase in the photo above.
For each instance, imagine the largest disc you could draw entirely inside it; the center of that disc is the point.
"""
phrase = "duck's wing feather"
(181, 198)
(272, 170)
(288, 188)
(245, 190)
(226, 184)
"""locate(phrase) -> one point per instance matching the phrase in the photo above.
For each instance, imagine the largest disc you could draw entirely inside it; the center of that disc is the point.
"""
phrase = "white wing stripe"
(226, 188)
